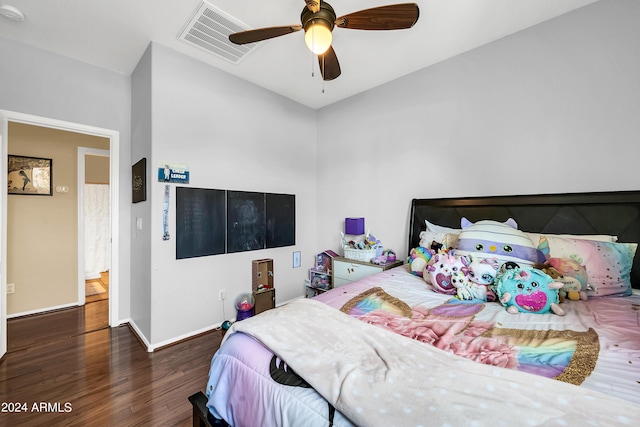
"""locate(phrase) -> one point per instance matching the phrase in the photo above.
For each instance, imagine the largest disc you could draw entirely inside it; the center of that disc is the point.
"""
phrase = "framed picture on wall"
(30, 175)
(139, 181)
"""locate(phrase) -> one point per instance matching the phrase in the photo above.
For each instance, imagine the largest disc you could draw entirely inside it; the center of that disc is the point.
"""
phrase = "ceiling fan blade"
(329, 65)
(392, 17)
(313, 5)
(251, 36)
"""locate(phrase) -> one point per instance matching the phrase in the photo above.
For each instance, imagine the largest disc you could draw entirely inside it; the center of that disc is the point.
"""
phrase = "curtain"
(96, 230)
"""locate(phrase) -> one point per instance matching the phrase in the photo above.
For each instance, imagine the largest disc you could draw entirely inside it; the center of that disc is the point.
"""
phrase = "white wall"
(552, 109)
(232, 135)
(141, 146)
(43, 84)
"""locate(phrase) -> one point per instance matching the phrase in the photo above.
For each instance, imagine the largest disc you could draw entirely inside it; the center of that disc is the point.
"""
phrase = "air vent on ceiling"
(209, 29)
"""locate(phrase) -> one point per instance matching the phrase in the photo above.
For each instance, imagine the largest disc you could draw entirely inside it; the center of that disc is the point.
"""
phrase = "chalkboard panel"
(281, 220)
(200, 222)
(245, 221)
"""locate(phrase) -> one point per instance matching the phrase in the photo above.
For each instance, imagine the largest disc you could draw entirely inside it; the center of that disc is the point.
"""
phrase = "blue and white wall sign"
(173, 172)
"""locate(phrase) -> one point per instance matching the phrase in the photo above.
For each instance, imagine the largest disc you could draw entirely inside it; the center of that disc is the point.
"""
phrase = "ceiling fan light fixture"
(12, 13)
(317, 36)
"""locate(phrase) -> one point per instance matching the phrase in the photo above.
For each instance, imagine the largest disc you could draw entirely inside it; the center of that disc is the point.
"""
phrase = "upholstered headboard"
(612, 213)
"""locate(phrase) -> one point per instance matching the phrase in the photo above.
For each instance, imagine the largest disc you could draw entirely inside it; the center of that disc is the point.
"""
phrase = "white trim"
(151, 348)
(140, 335)
(114, 183)
(3, 235)
(114, 148)
(42, 310)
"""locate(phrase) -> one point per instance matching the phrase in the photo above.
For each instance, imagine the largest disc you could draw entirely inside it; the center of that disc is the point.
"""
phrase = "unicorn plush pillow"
(528, 290)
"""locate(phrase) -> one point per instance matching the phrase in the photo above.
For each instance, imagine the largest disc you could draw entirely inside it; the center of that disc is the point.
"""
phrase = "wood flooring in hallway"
(69, 368)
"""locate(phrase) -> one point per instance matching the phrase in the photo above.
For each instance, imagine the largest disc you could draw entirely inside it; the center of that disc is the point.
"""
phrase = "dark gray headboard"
(612, 213)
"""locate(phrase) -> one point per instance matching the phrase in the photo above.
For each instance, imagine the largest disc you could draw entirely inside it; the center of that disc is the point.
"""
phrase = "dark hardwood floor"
(70, 368)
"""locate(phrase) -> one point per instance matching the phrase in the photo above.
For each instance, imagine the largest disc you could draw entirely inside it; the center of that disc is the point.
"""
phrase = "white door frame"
(114, 181)
(82, 152)
(3, 235)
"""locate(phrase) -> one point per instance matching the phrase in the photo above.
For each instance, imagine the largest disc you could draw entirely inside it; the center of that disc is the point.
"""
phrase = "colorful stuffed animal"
(574, 278)
(482, 274)
(386, 257)
(418, 259)
(445, 272)
(500, 240)
(571, 273)
(528, 290)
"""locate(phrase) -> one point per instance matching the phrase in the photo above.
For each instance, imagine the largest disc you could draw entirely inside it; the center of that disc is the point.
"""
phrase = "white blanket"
(378, 378)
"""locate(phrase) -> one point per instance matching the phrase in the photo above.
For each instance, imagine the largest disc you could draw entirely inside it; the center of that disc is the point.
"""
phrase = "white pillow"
(439, 228)
(448, 240)
(535, 237)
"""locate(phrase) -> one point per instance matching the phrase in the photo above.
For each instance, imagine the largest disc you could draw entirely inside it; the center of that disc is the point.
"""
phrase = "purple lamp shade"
(354, 226)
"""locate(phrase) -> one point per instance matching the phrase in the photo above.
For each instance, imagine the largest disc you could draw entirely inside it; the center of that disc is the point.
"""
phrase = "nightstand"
(345, 270)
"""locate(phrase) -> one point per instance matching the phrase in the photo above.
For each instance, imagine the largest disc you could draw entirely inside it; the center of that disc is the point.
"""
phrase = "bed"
(388, 350)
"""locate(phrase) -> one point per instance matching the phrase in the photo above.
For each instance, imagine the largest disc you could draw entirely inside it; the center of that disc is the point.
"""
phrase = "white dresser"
(345, 270)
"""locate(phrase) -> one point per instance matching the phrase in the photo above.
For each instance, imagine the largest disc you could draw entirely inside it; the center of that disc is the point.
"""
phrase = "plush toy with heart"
(528, 290)
(447, 272)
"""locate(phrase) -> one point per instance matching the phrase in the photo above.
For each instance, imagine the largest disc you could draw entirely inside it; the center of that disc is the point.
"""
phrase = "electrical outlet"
(296, 259)
(222, 295)
(11, 288)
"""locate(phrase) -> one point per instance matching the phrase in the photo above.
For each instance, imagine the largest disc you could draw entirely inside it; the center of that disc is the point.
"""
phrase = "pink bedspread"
(268, 378)
(596, 344)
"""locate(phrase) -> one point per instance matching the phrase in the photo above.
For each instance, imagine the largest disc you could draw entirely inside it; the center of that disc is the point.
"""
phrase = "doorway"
(113, 138)
(94, 261)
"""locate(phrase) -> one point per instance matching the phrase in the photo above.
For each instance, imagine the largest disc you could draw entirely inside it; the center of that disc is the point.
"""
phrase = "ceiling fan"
(318, 20)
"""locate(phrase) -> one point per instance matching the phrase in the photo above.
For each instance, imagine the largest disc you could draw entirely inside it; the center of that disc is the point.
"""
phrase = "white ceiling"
(114, 34)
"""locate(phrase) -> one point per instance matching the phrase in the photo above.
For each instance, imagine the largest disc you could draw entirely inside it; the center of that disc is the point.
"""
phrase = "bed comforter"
(387, 351)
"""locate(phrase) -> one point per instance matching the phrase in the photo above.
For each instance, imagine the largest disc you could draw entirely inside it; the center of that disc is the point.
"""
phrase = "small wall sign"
(173, 172)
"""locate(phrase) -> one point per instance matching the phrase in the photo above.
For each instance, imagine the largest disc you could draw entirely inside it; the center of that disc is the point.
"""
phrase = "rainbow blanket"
(452, 326)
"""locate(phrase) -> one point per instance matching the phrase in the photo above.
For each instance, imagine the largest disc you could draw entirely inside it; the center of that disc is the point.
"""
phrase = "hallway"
(102, 283)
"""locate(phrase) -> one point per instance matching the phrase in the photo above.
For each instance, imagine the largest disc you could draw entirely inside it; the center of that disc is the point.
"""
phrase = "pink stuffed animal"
(447, 273)
(482, 273)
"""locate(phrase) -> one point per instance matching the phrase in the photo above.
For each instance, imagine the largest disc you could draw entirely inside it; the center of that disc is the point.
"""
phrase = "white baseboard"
(152, 347)
(165, 343)
(42, 310)
(139, 334)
